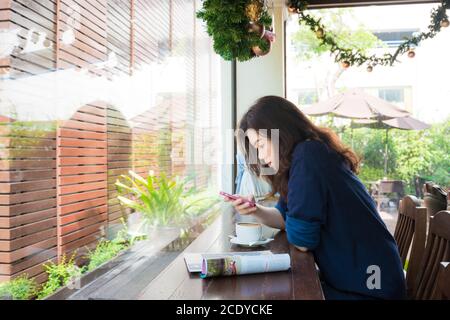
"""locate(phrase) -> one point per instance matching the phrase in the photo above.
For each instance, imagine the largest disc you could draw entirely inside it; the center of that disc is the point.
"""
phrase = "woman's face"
(264, 146)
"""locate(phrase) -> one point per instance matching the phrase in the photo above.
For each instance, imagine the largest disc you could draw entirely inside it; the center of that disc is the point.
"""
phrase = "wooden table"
(175, 282)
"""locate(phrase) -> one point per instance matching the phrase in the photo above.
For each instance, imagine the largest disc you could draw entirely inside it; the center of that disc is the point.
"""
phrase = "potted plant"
(160, 203)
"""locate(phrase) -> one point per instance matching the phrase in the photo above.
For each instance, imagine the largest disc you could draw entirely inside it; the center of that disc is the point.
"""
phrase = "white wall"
(264, 75)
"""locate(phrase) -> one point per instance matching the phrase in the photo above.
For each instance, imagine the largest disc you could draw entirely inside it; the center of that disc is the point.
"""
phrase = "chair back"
(410, 235)
(443, 282)
(436, 251)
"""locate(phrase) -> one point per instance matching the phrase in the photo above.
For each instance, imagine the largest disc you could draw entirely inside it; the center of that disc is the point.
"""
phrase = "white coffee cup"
(248, 232)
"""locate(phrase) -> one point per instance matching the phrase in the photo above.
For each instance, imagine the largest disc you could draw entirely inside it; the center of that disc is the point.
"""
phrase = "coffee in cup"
(248, 232)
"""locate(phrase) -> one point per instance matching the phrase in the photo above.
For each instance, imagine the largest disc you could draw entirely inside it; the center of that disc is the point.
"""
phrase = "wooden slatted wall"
(28, 160)
(88, 21)
(37, 21)
(119, 160)
(27, 198)
(82, 140)
(119, 33)
(82, 179)
(5, 23)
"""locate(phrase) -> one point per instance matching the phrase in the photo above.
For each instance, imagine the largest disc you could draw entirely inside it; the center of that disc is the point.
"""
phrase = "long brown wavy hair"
(272, 112)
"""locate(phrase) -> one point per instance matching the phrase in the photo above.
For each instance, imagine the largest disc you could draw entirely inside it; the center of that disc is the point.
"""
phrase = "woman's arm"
(268, 216)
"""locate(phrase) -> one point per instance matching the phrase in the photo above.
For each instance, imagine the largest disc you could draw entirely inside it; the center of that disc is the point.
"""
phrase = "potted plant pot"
(136, 225)
(160, 232)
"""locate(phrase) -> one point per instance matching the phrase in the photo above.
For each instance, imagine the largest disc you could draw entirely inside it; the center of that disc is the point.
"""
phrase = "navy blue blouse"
(329, 211)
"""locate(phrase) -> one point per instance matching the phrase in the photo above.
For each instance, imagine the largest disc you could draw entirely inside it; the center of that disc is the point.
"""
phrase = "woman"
(323, 206)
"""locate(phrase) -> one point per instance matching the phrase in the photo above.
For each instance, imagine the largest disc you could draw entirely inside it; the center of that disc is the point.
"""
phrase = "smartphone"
(227, 195)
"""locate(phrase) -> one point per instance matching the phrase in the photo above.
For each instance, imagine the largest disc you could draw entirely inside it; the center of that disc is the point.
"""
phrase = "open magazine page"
(239, 264)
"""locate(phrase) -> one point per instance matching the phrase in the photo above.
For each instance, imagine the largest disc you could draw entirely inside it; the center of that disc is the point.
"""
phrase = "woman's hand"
(241, 206)
(268, 216)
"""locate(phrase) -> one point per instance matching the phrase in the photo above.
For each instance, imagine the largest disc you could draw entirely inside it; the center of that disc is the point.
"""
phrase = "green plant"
(440, 154)
(228, 24)
(108, 249)
(411, 153)
(309, 46)
(63, 273)
(369, 174)
(59, 275)
(162, 201)
(21, 288)
(105, 251)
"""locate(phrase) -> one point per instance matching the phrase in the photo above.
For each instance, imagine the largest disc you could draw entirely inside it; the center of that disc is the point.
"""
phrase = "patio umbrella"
(404, 123)
(356, 104)
(366, 111)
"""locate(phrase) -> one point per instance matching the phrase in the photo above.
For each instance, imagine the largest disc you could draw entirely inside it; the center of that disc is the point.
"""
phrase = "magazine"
(244, 264)
(194, 260)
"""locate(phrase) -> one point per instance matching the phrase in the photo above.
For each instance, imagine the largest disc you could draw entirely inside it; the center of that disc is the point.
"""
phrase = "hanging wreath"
(241, 29)
(348, 57)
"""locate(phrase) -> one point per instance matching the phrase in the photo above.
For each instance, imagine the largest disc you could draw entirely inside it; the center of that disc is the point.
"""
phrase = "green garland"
(228, 24)
(348, 57)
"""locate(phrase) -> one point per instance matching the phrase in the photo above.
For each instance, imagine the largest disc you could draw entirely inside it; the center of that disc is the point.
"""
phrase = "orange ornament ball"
(345, 64)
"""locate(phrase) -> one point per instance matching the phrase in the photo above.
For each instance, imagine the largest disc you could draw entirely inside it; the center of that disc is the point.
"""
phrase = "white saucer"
(235, 240)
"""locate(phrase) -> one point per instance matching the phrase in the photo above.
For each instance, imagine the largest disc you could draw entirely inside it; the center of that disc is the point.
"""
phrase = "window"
(412, 83)
(83, 105)
(395, 95)
(395, 38)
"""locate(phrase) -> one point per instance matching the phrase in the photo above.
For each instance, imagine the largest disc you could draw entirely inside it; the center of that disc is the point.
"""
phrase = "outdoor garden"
(410, 154)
